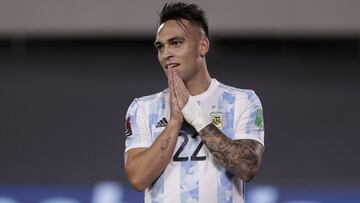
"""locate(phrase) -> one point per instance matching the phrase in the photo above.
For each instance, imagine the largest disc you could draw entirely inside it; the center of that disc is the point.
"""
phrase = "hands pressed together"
(179, 96)
(182, 104)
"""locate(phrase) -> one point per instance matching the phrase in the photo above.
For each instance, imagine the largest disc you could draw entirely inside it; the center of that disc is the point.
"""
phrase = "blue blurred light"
(113, 192)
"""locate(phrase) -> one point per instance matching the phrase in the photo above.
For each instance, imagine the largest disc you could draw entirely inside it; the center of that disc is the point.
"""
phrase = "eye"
(159, 47)
(176, 43)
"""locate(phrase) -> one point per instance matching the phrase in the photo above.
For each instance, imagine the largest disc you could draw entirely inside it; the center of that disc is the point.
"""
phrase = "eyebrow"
(169, 40)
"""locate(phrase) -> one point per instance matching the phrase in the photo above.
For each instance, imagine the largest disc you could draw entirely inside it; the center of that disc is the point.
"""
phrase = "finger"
(177, 93)
(182, 85)
(181, 88)
(173, 100)
(171, 89)
(169, 83)
(176, 87)
(181, 97)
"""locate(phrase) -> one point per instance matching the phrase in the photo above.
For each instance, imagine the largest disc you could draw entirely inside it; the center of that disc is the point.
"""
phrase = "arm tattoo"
(241, 157)
(164, 146)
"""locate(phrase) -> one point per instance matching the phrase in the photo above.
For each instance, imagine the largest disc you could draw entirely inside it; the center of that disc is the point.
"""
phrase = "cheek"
(186, 55)
(192, 52)
(159, 57)
(162, 62)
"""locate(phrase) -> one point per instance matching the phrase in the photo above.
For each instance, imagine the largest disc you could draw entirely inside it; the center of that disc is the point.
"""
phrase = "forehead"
(176, 28)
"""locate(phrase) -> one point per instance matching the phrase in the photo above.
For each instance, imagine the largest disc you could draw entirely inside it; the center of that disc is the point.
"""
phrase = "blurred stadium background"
(69, 70)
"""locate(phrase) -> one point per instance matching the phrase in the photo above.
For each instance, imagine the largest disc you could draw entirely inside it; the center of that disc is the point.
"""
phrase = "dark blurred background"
(69, 70)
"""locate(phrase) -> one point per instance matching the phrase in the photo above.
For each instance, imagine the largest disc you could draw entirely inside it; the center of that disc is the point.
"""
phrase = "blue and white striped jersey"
(193, 175)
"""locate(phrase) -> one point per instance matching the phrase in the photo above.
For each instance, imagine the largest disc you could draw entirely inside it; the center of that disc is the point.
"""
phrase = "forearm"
(144, 167)
(241, 157)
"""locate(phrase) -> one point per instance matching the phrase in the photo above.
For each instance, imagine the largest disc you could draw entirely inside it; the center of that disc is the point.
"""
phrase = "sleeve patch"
(259, 122)
(128, 130)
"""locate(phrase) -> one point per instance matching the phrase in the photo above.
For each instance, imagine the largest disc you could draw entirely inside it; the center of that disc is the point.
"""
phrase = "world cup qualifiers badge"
(217, 119)
(128, 130)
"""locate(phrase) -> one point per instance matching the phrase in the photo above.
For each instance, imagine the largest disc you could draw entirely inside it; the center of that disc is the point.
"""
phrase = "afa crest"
(217, 118)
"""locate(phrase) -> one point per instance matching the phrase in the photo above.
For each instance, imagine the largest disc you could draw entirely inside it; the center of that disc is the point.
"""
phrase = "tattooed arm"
(241, 157)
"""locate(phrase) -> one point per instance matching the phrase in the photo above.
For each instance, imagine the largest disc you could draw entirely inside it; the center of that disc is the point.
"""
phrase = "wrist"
(194, 115)
(174, 124)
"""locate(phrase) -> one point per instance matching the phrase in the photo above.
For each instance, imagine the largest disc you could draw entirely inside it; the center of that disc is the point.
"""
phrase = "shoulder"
(148, 99)
(245, 94)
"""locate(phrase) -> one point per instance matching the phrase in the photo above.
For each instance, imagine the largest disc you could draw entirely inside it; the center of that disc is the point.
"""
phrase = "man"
(198, 140)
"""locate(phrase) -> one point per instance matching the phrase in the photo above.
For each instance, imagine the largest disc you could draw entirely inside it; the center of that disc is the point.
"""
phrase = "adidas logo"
(161, 123)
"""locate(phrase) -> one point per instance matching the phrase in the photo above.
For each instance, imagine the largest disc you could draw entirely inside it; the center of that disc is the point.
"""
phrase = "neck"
(199, 83)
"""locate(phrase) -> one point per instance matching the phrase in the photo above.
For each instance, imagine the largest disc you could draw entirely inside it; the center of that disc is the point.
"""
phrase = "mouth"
(171, 65)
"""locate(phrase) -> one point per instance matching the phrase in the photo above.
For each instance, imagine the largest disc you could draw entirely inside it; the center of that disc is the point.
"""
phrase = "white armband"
(194, 115)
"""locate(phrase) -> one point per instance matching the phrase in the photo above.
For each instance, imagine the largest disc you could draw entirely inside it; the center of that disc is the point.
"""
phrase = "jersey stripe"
(172, 183)
(157, 191)
(189, 181)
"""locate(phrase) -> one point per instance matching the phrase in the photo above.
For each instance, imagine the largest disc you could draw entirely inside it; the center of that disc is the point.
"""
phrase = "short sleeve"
(249, 123)
(136, 131)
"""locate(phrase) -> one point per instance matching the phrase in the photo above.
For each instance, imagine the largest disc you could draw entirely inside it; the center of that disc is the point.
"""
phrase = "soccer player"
(199, 140)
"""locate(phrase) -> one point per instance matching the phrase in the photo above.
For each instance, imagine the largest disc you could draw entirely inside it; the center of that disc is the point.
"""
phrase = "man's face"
(178, 44)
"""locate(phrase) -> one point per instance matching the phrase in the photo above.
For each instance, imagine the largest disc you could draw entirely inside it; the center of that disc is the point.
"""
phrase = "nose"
(167, 52)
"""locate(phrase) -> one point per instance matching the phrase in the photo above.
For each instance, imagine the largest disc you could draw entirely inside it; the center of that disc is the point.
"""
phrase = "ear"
(204, 46)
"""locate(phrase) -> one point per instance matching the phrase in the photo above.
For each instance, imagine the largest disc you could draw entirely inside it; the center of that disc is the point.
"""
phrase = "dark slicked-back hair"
(187, 11)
